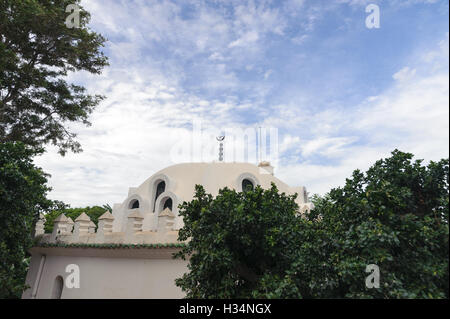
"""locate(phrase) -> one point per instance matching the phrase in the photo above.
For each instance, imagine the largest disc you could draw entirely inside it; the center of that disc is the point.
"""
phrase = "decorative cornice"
(112, 246)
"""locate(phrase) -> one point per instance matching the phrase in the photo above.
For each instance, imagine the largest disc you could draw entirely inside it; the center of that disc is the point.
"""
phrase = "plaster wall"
(106, 277)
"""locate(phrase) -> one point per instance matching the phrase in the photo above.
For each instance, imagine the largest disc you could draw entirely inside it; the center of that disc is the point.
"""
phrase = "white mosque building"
(130, 253)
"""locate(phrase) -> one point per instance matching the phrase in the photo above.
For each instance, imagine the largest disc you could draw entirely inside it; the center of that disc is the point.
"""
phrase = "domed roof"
(213, 176)
(175, 184)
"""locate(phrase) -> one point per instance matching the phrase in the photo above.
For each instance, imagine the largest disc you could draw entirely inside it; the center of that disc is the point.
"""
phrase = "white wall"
(103, 277)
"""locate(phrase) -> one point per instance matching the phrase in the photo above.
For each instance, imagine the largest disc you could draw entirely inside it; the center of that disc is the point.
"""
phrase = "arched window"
(168, 204)
(247, 185)
(133, 204)
(57, 287)
(160, 188)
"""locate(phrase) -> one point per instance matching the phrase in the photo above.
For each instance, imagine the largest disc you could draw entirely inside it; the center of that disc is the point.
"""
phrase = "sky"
(340, 95)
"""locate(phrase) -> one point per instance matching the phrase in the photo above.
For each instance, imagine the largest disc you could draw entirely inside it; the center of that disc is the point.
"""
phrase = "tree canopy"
(255, 244)
(23, 193)
(235, 239)
(37, 53)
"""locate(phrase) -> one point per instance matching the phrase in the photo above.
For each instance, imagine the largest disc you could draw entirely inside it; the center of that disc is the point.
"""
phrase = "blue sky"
(341, 95)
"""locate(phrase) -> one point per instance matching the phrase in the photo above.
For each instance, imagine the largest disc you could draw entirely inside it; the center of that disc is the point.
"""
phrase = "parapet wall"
(84, 231)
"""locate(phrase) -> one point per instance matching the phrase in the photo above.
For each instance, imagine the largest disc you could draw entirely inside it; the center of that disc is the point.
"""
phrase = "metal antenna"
(220, 139)
(259, 146)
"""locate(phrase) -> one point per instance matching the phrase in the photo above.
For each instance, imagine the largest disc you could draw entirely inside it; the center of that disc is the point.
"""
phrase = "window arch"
(158, 185)
(246, 180)
(133, 204)
(160, 188)
(58, 286)
(167, 200)
(247, 185)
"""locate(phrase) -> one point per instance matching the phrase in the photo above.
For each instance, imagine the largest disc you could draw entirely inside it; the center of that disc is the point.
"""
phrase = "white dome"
(178, 182)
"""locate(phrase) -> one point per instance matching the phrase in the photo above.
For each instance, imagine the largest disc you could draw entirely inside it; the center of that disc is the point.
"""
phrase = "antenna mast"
(220, 139)
(259, 146)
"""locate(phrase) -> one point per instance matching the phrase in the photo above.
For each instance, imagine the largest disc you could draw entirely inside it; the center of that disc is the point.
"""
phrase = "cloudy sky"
(341, 95)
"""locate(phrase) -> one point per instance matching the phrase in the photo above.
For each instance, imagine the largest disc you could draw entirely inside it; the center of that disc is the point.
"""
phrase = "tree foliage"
(235, 239)
(395, 216)
(22, 198)
(37, 53)
(254, 244)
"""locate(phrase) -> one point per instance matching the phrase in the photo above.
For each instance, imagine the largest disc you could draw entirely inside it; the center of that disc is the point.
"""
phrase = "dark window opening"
(57, 288)
(168, 204)
(160, 188)
(134, 204)
(247, 185)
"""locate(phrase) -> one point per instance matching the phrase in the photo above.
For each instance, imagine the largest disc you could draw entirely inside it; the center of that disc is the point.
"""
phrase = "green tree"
(236, 239)
(108, 208)
(395, 215)
(254, 244)
(37, 52)
(22, 198)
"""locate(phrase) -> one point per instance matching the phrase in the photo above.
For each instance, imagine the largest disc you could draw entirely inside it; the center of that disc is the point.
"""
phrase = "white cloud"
(412, 115)
(320, 178)
(267, 74)
(404, 74)
(246, 39)
(149, 106)
(300, 39)
(327, 146)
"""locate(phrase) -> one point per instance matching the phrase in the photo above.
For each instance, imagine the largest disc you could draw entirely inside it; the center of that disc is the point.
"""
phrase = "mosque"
(129, 255)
